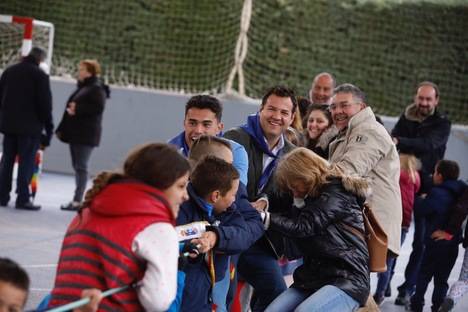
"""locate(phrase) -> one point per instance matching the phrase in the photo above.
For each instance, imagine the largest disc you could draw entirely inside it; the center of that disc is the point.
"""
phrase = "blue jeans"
(327, 299)
(80, 157)
(25, 147)
(414, 262)
(385, 278)
(220, 291)
(260, 269)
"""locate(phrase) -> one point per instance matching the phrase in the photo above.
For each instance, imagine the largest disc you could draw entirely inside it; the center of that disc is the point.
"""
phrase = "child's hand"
(441, 235)
(95, 296)
(207, 241)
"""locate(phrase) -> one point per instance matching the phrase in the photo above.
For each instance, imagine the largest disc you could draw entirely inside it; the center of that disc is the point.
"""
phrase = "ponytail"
(99, 183)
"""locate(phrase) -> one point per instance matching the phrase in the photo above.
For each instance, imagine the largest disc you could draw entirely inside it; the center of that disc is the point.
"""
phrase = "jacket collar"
(364, 116)
(131, 197)
(200, 202)
(411, 113)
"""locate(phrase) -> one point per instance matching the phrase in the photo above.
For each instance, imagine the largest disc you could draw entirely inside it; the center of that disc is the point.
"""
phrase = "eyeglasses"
(342, 106)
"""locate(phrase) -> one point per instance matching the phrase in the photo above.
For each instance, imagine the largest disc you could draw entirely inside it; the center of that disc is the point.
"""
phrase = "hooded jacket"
(232, 234)
(332, 254)
(97, 248)
(366, 149)
(85, 126)
(437, 207)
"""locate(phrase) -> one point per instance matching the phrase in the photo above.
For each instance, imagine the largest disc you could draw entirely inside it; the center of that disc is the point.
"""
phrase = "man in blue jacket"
(25, 114)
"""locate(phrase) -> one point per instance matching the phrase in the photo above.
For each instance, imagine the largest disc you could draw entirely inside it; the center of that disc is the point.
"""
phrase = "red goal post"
(30, 32)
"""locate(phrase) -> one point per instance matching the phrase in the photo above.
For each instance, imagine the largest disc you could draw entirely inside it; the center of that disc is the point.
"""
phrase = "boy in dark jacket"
(212, 192)
(440, 255)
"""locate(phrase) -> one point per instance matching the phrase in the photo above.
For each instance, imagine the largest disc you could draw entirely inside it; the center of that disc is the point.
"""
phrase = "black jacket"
(85, 126)
(272, 241)
(427, 140)
(26, 101)
(332, 254)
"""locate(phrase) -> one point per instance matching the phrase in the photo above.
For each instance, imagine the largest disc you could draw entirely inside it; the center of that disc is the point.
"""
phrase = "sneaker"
(71, 206)
(378, 299)
(27, 206)
(402, 300)
(447, 305)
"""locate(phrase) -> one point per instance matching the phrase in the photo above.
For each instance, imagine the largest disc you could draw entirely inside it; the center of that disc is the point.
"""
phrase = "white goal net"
(19, 34)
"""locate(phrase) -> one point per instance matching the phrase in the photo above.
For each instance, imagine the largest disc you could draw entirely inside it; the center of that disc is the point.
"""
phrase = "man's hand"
(260, 204)
(395, 140)
(95, 297)
(71, 108)
(207, 241)
(441, 235)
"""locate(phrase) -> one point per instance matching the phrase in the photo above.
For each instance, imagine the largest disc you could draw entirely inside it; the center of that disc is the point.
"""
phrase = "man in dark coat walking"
(26, 123)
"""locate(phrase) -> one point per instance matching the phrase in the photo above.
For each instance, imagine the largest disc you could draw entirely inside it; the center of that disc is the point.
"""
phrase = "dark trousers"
(260, 269)
(25, 147)
(80, 155)
(438, 261)
(414, 262)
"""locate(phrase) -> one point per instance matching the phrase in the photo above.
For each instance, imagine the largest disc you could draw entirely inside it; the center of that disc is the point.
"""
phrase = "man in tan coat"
(365, 148)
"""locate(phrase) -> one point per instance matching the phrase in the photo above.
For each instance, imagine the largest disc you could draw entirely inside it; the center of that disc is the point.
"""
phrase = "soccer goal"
(19, 34)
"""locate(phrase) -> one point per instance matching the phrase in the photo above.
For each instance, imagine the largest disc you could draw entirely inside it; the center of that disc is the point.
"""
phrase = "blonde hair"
(410, 164)
(303, 165)
(92, 66)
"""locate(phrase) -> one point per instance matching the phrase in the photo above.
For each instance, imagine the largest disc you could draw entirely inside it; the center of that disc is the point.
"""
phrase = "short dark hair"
(207, 145)
(357, 93)
(430, 84)
(38, 54)
(205, 102)
(211, 174)
(448, 169)
(281, 91)
(11, 272)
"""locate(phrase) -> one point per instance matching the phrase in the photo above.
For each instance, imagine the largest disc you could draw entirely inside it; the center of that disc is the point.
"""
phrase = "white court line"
(34, 266)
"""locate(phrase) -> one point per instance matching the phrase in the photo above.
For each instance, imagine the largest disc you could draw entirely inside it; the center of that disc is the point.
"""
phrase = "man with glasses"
(365, 148)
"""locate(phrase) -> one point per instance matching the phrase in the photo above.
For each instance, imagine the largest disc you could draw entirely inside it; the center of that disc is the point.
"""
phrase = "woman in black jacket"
(81, 124)
(335, 272)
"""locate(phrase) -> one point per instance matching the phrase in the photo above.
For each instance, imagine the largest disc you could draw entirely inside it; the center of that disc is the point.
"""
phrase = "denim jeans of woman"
(327, 299)
(80, 155)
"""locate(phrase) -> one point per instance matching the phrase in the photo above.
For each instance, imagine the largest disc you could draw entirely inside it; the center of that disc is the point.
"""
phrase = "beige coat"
(365, 148)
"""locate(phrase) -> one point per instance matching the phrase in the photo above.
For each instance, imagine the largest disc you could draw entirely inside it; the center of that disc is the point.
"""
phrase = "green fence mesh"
(384, 47)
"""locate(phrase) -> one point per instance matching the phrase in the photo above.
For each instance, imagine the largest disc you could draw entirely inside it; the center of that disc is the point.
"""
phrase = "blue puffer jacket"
(437, 207)
(233, 236)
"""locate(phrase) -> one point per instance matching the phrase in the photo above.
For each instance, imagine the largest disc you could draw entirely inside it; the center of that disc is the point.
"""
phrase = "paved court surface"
(33, 239)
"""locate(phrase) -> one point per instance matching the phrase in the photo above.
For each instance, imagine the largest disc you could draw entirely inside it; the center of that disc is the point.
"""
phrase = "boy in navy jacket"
(212, 191)
(439, 255)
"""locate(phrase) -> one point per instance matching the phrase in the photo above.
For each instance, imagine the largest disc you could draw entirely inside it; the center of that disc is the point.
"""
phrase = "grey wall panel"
(134, 117)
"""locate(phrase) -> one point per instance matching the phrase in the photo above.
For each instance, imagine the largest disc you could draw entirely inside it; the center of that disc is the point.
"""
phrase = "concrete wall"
(132, 117)
(137, 116)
